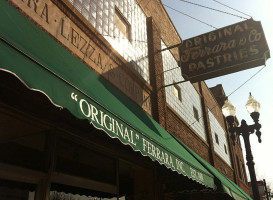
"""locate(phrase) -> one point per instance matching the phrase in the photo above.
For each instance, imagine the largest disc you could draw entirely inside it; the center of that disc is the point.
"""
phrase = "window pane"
(26, 151)
(10, 190)
(175, 91)
(239, 169)
(80, 161)
(121, 23)
(216, 138)
(196, 114)
(135, 182)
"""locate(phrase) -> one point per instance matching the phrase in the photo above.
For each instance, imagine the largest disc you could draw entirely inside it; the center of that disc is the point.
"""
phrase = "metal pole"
(250, 165)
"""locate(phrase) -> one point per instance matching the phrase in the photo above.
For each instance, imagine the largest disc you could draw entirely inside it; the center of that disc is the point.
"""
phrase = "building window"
(244, 177)
(225, 148)
(216, 138)
(195, 113)
(122, 24)
(239, 169)
(177, 92)
(244, 172)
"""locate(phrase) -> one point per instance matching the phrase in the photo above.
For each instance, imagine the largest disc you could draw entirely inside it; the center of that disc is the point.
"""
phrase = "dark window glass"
(22, 142)
(26, 151)
(244, 172)
(239, 168)
(77, 160)
(216, 138)
(196, 114)
(135, 182)
(10, 190)
(225, 148)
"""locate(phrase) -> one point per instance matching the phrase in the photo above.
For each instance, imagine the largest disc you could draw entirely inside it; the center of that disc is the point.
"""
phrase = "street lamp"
(253, 107)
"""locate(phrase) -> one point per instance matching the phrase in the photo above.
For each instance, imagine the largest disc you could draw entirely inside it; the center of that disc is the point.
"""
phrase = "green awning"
(44, 65)
(223, 183)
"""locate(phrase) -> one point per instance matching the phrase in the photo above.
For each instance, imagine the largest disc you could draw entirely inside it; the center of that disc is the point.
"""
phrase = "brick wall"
(179, 128)
(242, 181)
(190, 97)
(236, 151)
(224, 168)
(176, 116)
(213, 105)
(158, 96)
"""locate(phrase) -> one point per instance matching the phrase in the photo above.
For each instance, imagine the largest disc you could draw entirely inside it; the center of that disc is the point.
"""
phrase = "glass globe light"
(228, 109)
(252, 105)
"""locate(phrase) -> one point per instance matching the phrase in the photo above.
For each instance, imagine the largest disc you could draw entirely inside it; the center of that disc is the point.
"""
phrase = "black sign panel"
(223, 51)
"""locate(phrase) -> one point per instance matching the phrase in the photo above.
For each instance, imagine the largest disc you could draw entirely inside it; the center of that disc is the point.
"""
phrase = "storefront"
(67, 133)
(60, 120)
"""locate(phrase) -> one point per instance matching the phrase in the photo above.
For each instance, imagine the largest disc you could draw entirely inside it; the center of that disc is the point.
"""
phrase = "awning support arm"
(170, 47)
(164, 86)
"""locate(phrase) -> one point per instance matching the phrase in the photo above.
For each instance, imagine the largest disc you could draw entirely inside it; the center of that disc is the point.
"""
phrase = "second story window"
(244, 172)
(122, 24)
(177, 92)
(216, 138)
(239, 169)
(196, 114)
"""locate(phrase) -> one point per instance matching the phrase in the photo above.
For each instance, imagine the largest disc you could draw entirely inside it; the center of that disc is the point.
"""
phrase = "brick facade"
(156, 73)
(211, 101)
(236, 151)
(179, 128)
(200, 138)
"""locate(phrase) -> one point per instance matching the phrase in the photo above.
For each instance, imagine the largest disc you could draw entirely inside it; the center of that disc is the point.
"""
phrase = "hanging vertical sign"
(227, 50)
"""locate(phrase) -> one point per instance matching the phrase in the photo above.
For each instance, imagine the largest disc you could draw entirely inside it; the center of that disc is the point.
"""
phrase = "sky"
(261, 85)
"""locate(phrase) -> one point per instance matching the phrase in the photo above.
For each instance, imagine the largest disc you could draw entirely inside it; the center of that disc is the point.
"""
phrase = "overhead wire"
(232, 8)
(215, 28)
(190, 16)
(246, 81)
(211, 27)
(210, 109)
(213, 9)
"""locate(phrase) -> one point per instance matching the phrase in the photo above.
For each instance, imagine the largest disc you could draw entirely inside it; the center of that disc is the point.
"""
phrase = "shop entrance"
(39, 163)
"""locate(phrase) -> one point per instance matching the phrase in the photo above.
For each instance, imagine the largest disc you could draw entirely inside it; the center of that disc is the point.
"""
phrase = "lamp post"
(253, 107)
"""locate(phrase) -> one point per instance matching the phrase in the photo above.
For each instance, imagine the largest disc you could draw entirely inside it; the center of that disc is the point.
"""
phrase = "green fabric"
(226, 185)
(44, 65)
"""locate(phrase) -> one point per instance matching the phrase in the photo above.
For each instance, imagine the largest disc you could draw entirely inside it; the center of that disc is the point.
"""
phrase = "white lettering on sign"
(217, 35)
(227, 50)
(214, 61)
(127, 134)
(196, 175)
(107, 122)
(179, 165)
(157, 153)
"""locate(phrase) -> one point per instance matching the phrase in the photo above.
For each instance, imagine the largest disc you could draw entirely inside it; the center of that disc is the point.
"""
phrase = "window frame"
(195, 113)
(178, 89)
(216, 138)
(118, 14)
(239, 167)
(225, 147)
